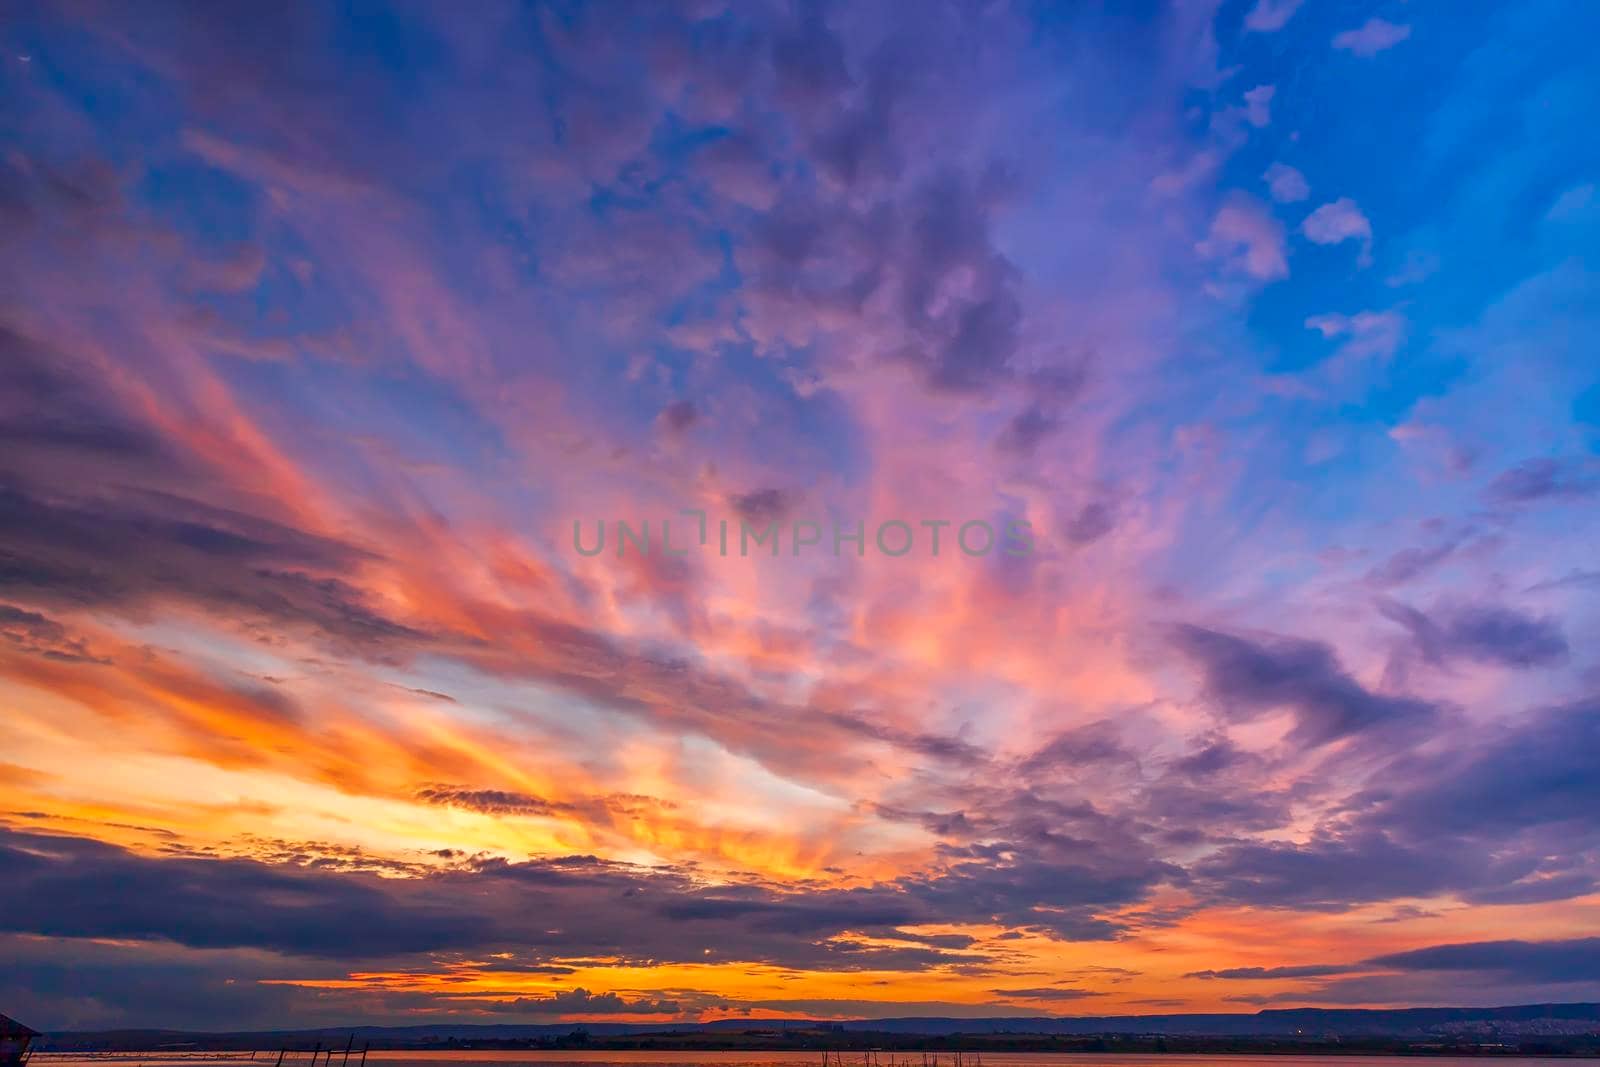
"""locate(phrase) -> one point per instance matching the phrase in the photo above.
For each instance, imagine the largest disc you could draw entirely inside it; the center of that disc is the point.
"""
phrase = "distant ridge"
(1329, 1023)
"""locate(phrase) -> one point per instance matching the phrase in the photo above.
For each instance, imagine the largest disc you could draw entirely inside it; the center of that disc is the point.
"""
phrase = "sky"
(1260, 336)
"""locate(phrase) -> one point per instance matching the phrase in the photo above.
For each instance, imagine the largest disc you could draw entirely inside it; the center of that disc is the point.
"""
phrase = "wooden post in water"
(348, 1045)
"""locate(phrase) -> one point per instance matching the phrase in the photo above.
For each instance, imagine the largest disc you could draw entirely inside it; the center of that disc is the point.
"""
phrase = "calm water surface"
(688, 1058)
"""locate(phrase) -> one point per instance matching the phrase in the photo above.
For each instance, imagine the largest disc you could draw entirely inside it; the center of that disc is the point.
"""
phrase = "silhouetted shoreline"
(1522, 1030)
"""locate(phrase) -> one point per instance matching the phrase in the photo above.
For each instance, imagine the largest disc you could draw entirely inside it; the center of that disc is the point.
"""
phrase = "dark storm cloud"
(1409, 563)
(55, 414)
(72, 887)
(1054, 869)
(1246, 677)
(1047, 394)
(1484, 633)
(856, 144)
(679, 416)
(1214, 793)
(1026, 429)
(580, 1000)
(61, 984)
(130, 550)
(1252, 974)
(1545, 478)
(490, 801)
(35, 634)
(1538, 889)
(1215, 755)
(1535, 773)
(97, 511)
(511, 802)
(763, 505)
(1092, 522)
(1504, 815)
(1577, 960)
(937, 746)
(1094, 743)
(1574, 580)
(875, 225)
(809, 61)
(966, 343)
(1510, 971)
(1333, 872)
(954, 825)
(1048, 993)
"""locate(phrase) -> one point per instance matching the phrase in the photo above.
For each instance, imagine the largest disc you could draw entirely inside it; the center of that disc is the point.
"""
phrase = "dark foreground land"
(1522, 1030)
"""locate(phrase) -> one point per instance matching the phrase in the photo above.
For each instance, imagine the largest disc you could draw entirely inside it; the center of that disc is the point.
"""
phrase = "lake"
(690, 1058)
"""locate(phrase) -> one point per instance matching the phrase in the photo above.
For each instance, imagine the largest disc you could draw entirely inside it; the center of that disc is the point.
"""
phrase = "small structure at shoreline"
(15, 1042)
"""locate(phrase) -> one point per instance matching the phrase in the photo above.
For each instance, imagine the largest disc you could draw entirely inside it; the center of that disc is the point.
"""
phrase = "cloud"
(1575, 960)
(1047, 393)
(763, 505)
(1258, 105)
(1524, 776)
(1247, 239)
(1545, 478)
(1499, 816)
(580, 1001)
(1418, 265)
(1374, 36)
(1369, 334)
(1331, 872)
(1484, 633)
(1098, 742)
(1272, 973)
(131, 551)
(489, 801)
(679, 416)
(1338, 221)
(1409, 564)
(1047, 993)
(57, 889)
(1269, 16)
(1092, 522)
(1572, 204)
(1245, 677)
(553, 909)
(34, 634)
(959, 292)
(1286, 184)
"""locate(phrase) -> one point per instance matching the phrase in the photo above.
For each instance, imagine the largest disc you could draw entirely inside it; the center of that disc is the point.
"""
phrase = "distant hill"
(1408, 1024)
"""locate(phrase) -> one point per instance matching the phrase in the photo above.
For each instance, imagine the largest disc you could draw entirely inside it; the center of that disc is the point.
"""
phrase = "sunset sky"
(1276, 321)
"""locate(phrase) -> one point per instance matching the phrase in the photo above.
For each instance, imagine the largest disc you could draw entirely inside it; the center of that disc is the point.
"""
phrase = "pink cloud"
(1269, 16)
(1286, 184)
(1258, 105)
(1247, 238)
(1375, 35)
(1338, 221)
(1370, 333)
